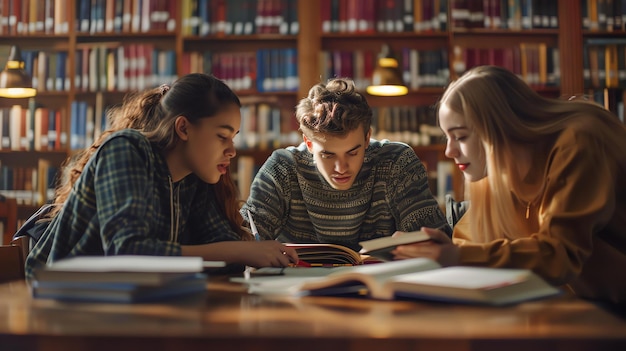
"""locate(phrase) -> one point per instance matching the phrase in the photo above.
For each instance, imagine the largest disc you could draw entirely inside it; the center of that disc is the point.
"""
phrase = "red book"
(172, 9)
(14, 15)
(262, 16)
(325, 18)
(352, 16)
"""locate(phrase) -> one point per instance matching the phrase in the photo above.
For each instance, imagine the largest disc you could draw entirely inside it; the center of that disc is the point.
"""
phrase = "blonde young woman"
(546, 181)
(160, 186)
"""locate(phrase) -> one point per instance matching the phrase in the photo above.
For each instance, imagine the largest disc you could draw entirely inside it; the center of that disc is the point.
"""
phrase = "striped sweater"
(291, 201)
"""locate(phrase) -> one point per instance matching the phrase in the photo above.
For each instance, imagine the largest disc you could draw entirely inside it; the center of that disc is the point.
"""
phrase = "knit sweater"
(292, 202)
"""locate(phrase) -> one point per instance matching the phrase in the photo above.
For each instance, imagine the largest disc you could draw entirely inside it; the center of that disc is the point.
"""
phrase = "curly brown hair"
(334, 108)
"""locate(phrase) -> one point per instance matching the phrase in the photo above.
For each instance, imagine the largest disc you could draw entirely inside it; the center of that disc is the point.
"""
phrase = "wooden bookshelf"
(309, 41)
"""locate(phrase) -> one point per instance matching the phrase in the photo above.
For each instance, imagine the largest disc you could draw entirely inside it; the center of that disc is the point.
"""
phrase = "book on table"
(381, 247)
(374, 250)
(122, 278)
(418, 278)
(325, 254)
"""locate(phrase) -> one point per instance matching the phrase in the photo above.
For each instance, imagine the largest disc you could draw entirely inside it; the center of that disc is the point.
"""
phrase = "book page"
(372, 276)
(298, 281)
(494, 286)
(326, 254)
(468, 277)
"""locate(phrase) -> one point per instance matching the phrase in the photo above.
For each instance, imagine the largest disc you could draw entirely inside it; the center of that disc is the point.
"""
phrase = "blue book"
(52, 129)
(60, 77)
(291, 66)
(121, 278)
(120, 292)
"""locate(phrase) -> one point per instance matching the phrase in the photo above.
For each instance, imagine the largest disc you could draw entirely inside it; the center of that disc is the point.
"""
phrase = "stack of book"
(124, 278)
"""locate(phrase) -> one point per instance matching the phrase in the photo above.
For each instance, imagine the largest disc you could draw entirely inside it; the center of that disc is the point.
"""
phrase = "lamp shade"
(14, 81)
(386, 78)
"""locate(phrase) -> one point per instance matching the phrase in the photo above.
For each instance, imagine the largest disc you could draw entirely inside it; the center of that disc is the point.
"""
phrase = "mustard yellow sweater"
(576, 234)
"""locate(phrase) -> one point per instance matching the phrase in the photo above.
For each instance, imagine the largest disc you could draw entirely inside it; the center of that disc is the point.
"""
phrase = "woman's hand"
(265, 253)
(439, 248)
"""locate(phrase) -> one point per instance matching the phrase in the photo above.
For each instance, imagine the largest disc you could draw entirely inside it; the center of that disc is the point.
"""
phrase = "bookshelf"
(193, 35)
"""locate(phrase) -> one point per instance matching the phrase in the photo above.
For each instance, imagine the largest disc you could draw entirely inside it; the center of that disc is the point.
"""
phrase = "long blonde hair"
(503, 110)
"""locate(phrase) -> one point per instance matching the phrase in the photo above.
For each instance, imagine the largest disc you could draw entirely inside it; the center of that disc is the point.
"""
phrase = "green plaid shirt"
(124, 203)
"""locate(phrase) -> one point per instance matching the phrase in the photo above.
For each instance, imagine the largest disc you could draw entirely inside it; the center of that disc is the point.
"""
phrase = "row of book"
(28, 185)
(48, 69)
(197, 17)
(25, 17)
(133, 67)
(612, 99)
(385, 16)
(266, 127)
(20, 17)
(353, 16)
(237, 69)
(239, 17)
(604, 15)
(87, 122)
(536, 63)
(414, 125)
(36, 128)
(125, 16)
(123, 67)
(101, 68)
(266, 70)
(504, 14)
(604, 63)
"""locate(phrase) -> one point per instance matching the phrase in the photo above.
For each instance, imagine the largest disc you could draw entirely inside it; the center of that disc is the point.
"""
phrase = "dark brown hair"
(154, 112)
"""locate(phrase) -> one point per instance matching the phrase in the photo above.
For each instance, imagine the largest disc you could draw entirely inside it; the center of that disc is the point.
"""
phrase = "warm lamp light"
(386, 78)
(14, 81)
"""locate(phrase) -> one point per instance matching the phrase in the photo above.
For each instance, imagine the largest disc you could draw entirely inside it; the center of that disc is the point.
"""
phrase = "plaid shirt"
(125, 203)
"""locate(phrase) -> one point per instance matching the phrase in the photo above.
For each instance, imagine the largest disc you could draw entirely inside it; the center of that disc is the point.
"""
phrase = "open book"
(320, 254)
(375, 250)
(418, 278)
(381, 247)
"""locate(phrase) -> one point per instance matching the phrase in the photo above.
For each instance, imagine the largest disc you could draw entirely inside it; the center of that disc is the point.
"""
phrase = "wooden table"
(227, 318)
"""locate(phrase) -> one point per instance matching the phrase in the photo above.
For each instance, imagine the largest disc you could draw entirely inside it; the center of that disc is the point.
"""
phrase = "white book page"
(467, 277)
(133, 263)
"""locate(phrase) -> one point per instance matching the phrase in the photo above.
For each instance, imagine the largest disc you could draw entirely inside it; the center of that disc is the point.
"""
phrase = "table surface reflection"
(227, 317)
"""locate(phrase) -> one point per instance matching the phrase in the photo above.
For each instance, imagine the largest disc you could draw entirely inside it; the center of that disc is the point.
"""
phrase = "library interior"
(79, 58)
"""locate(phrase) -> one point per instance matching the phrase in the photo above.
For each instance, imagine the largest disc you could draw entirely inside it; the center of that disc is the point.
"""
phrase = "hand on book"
(266, 253)
(440, 248)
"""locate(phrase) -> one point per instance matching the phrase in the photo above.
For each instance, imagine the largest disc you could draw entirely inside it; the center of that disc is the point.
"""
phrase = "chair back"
(8, 215)
(12, 259)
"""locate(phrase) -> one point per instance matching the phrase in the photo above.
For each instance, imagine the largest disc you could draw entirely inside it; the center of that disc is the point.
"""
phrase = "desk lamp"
(14, 81)
(386, 78)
